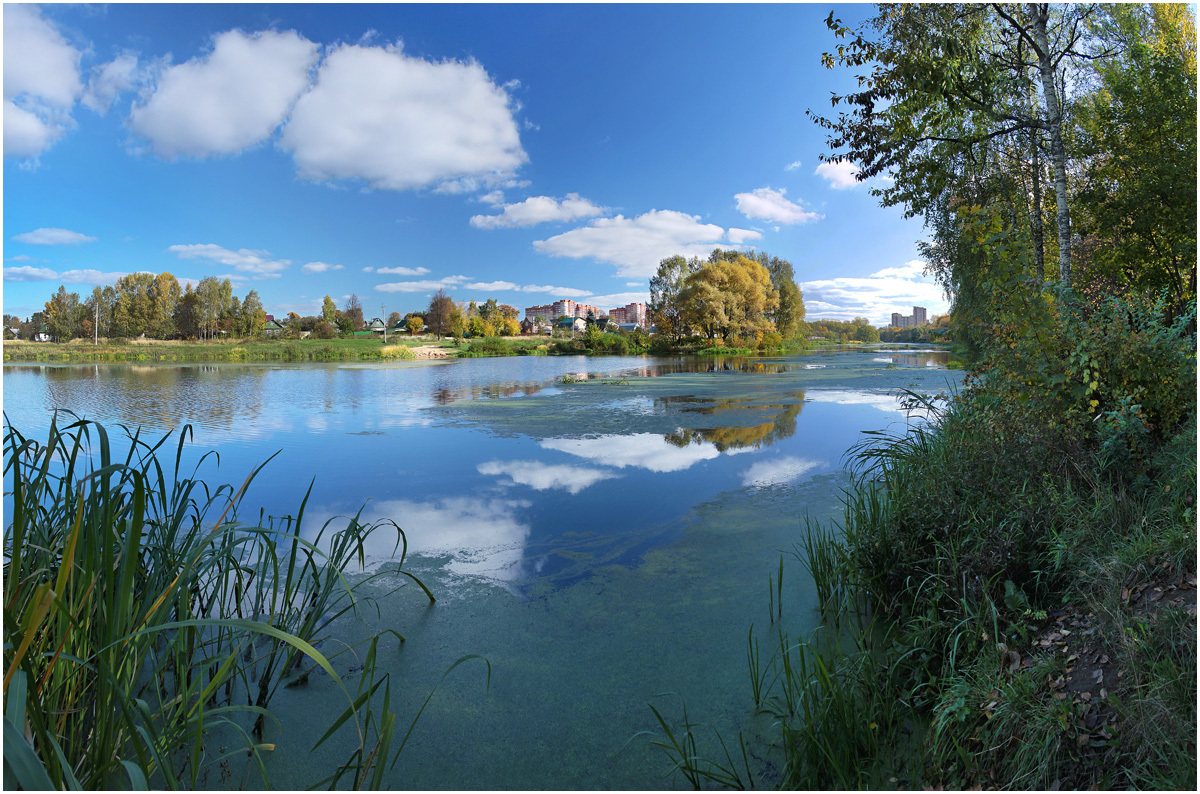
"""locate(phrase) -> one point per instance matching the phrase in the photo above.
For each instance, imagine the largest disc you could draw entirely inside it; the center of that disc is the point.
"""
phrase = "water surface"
(604, 543)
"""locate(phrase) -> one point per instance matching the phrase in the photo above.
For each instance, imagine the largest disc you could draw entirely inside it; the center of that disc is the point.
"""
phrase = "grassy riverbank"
(148, 625)
(166, 351)
(1010, 598)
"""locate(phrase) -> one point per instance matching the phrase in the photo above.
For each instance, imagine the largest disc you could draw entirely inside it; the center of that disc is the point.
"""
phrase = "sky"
(523, 153)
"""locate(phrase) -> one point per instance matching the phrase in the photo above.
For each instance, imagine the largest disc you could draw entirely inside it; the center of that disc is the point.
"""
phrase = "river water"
(605, 543)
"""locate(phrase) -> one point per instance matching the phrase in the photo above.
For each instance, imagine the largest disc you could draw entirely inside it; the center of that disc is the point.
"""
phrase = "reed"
(141, 613)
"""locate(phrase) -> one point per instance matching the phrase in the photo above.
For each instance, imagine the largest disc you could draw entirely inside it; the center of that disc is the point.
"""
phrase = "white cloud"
(894, 289)
(641, 450)
(777, 472)
(637, 245)
(41, 82)
(401, 271)
(770, 205)
(792, 166)
(562, 292)
(495, 198)
(53, 237)
(493, 286)
(398, 122)
(26, 273)
(510, 286)
(539, 209)
(840, 175)
(738, 236)
(91, 277)
(244, 260)
(633, 283)
(230, 99)
(23, 258)
(319, 267)
(421, 286)
(619, 298)
(109, 80)
(912, 269)
(544, 476)
(471, 184)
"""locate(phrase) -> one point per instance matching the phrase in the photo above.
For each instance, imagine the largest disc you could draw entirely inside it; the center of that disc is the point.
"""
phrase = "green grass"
(142, 612)
(158, 351)
(959, 542)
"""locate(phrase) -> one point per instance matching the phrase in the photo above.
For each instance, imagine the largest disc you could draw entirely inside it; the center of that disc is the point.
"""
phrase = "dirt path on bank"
(433, 351)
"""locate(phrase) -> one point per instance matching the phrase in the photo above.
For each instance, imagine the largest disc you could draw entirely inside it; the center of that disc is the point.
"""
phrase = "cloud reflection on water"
(482, 537)
(648, 451)
(777, 472)
(545, 476)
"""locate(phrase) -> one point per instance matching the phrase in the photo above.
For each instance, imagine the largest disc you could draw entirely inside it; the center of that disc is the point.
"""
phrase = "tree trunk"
(1040, 12)
(1039, 226)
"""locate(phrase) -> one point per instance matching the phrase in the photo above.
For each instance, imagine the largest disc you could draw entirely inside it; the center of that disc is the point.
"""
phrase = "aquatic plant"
(141, 614)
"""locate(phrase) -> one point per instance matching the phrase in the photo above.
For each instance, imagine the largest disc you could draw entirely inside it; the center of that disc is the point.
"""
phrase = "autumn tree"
(414, 323)
(732, 298)
(62, 315)
(665, 287)
(253, 316)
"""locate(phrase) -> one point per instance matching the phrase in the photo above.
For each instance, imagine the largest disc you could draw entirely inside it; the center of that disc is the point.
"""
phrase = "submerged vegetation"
(148, 621)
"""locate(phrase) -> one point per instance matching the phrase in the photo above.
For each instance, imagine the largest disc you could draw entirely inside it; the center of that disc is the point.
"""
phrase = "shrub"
(324, 330)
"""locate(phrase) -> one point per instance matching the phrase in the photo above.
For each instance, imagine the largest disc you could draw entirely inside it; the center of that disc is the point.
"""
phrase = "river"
(605, 543)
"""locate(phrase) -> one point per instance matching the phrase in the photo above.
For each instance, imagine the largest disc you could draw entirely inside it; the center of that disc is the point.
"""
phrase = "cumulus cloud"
(538, 209)
(230, 99)
(840, 175)
(243, 260)
(53, 237)
(319, 267)
(768, 204)
(27, 273)
(544, 476)
(876, 297)
(41, 82)
(426, 285)
(792, 166)
(494, 286)
(738, 236)
(109, 80)
(637, 245)
(398, 122)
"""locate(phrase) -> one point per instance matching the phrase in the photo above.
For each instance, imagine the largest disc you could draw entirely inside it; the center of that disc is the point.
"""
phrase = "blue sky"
(526, 153)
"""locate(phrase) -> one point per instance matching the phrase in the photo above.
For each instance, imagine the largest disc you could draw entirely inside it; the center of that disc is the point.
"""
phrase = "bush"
(324, 330)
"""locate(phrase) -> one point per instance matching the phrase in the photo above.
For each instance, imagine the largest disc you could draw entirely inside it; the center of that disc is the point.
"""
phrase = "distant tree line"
(444, 317)
(145, 304)
(857, 330)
